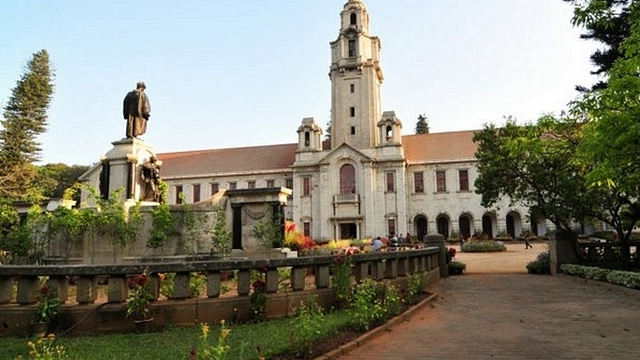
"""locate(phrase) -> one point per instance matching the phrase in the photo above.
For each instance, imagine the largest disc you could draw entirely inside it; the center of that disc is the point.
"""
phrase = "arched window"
(354, 19)
(307, 139)
(389, 131)
(347, 179)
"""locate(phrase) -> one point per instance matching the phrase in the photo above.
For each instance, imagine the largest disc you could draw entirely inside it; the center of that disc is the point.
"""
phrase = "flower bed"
(616, 277)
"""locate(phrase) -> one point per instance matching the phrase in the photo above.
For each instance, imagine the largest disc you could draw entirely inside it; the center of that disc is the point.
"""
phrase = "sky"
(227, 73)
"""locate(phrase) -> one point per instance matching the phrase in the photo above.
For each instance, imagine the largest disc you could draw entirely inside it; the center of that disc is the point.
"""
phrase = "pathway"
(513, 315)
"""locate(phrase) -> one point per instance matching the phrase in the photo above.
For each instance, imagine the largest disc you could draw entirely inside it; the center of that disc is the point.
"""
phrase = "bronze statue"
(150, 176)
(136, 109)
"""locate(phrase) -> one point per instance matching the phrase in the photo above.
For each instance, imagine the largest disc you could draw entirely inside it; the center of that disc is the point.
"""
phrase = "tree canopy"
(422, 126)
(25, 117)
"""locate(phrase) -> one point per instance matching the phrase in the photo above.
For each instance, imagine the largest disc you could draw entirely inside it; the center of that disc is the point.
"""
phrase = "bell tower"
(356, 78)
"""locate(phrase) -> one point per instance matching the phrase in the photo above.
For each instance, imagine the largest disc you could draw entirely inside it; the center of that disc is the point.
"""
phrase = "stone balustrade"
(19, 288)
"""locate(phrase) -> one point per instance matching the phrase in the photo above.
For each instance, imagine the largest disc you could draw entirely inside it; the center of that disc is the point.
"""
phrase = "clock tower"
(356, 78)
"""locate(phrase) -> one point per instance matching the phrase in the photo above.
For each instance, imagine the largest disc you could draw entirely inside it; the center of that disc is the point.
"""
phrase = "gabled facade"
(368, 180)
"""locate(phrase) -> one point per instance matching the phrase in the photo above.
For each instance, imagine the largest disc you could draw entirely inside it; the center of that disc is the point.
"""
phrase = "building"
(368, 180)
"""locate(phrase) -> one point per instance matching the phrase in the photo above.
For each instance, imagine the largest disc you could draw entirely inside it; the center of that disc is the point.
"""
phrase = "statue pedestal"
(119, 169)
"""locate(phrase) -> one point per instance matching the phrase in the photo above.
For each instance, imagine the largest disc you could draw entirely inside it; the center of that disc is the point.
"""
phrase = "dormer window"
(354, 19)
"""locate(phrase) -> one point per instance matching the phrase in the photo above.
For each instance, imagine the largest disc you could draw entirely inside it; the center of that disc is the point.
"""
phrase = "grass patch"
(273, 337)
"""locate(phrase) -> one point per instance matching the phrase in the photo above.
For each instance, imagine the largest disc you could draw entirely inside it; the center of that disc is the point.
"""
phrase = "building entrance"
(348, 231)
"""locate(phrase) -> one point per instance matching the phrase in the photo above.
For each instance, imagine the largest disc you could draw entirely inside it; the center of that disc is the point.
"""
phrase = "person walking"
(527, 244)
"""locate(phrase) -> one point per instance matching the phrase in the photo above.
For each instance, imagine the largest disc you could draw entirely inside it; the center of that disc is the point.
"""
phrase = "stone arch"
(465, 225)
(443, 225)
(514, 224)
(489, 224)
(421, 226)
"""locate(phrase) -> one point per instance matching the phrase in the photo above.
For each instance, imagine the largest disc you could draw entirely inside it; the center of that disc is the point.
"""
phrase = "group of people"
(394, 242)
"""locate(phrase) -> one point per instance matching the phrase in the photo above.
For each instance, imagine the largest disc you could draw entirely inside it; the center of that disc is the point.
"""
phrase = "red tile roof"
(439, 147)
(229, 160)
(427, 148)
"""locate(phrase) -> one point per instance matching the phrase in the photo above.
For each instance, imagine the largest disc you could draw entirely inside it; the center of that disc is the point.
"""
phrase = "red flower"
(44, 291)
(259, 285)
(452, 252)
(193, 355)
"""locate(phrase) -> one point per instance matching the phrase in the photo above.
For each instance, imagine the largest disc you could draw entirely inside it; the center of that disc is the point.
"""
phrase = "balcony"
(346, 199)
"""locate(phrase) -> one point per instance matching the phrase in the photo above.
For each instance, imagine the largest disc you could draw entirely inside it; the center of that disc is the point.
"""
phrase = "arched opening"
(442, 222)
(511, 229)
(465, 225)
(421, 226)
(353, 19)
(307, 138)
(389, 132)
(487, 225)
(347, 179)
(514, 224)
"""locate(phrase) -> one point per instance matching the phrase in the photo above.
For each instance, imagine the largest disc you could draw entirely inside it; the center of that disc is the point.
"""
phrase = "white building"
(369, 180)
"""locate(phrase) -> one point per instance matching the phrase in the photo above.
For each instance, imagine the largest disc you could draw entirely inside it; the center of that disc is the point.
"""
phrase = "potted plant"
(139, 298)
(47, 309)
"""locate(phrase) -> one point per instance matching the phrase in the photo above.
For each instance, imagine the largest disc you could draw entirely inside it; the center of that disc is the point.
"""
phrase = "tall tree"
(422, 126)
(611, 29)
(25, 117)
(611, 144)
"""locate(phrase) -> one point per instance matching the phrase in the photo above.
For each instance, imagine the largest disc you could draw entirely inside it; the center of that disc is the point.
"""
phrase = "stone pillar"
(438, 240)
(118, 289)
(298, 275)
(243, 282)
(6, 289)
(28, 288)
(403, 267)
(322, 276)
(59, 285)
(181, 286)
(86, 290)
(361, 271)
(271, 278)
(377, 269)
(563, 249)
(213, 284)
(391, 269)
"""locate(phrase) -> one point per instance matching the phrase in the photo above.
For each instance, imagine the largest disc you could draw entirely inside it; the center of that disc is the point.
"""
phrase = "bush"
(483, 246)
(541, 265)
(616, 277)
(456, 268)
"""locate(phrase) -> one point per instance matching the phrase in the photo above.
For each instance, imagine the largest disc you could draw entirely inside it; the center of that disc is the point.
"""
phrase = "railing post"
(377, 269)
(438, 240)
(28, 288)
(181, 285)
(118, 289)
(271, 278)
(86, 289)
(60, 286)
(213, 284)
(403, 266)
(6, 289)
(243, 282)
(361, 270)
(322, 276)
(391, 269)
(298, 275)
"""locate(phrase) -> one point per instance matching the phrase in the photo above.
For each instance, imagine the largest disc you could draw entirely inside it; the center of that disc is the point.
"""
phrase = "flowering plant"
(139, 297)
(341, 280)
(451, 253)
(295, 239)
(258, 296)
(48, 305)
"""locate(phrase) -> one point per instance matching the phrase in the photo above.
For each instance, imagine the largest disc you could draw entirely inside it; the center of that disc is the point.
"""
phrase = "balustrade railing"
(19, 285)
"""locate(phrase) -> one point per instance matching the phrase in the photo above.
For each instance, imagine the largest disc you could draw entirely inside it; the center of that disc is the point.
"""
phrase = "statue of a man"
(150, 175)
(136, 109)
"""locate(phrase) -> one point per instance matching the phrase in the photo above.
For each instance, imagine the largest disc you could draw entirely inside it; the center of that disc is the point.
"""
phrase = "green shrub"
(616, 277)
(541, 265)
(415, 284)
(483, 246)
(306, 327)
(392, 301)
(456, 268)
(367, 306)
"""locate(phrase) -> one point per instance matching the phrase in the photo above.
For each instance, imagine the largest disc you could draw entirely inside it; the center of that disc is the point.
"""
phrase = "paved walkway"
(484, 315)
